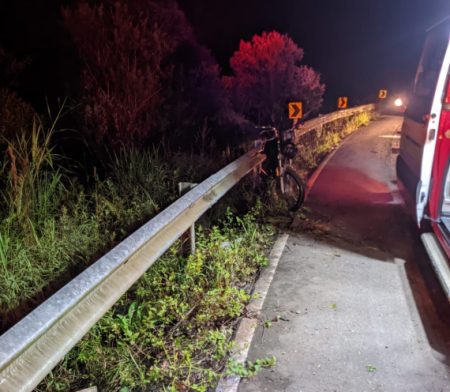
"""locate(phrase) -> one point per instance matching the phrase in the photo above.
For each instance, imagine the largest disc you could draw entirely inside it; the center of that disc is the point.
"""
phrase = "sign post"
(184, 187)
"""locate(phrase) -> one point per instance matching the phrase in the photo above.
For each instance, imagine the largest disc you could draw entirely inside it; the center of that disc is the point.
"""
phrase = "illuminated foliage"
(267, 75)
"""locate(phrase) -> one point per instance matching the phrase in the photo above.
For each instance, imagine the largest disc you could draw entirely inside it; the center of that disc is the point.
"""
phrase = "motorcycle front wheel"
(293, 192)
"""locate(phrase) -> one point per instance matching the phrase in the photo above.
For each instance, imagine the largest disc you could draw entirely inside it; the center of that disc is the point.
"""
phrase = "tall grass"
(28, 156)
(52, 227)
(32, 190)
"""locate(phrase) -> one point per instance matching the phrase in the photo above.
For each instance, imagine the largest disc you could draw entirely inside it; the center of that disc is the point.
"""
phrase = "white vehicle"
(424, 157)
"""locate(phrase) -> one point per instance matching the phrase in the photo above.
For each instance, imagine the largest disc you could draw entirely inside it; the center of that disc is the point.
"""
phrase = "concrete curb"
(247, 326)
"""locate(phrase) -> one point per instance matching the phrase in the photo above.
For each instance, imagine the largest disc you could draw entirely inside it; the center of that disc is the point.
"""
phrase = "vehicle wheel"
(294, 190)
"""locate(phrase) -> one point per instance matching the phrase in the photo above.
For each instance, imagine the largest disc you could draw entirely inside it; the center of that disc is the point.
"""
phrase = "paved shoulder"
(342, 321)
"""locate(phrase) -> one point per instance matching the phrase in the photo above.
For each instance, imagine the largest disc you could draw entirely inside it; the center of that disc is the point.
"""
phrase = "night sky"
(359, 46)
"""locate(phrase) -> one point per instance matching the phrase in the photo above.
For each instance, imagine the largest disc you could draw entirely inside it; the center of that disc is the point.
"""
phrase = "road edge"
(247, 326)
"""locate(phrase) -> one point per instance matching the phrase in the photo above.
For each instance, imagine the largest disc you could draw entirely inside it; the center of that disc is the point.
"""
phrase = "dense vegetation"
(52, 226)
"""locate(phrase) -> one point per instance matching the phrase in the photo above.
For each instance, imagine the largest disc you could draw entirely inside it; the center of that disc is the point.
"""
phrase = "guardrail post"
(184, 187)
(319, 130)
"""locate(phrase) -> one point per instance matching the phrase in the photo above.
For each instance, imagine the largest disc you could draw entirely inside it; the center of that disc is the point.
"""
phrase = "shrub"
(51, 226)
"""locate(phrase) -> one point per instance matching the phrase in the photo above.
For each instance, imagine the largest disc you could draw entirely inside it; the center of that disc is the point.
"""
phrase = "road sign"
(382, 94)
(295, 110)
(342, 102)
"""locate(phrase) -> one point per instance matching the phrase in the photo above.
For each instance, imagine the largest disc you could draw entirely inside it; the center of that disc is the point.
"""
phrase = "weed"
(248, 369)
(371, 368)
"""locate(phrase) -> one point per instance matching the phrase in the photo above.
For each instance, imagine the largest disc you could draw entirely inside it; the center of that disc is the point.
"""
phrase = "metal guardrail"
(319, 122)
(31, 348)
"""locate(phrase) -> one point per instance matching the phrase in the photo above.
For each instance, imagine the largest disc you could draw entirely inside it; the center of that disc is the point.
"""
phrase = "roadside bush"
(145, 78)
(357, 121)
(267, 75)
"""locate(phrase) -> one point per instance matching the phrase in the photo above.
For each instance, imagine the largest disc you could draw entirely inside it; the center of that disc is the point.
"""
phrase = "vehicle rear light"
(446, 105)
(441, 159)
(444, 121)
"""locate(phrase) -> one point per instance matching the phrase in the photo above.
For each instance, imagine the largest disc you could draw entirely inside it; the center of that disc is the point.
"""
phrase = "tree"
(123, 47)
(197, 111)
(145, 76)
(267, 75)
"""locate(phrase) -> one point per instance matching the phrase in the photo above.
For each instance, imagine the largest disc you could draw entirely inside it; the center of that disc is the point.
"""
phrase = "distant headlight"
(398, 102)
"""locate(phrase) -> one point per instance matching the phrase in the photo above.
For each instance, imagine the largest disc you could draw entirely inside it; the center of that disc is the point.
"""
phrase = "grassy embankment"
(172, 330)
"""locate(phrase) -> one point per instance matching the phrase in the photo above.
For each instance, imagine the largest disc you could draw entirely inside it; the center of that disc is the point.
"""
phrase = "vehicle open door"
(433, 189)
(422, 118)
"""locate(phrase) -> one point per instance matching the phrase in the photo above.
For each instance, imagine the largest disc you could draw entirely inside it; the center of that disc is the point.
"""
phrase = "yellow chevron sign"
(382, 94)
(295, 110)
(342, 102)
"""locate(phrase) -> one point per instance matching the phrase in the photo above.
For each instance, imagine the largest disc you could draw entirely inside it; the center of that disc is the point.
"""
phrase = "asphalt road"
(354, 305)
